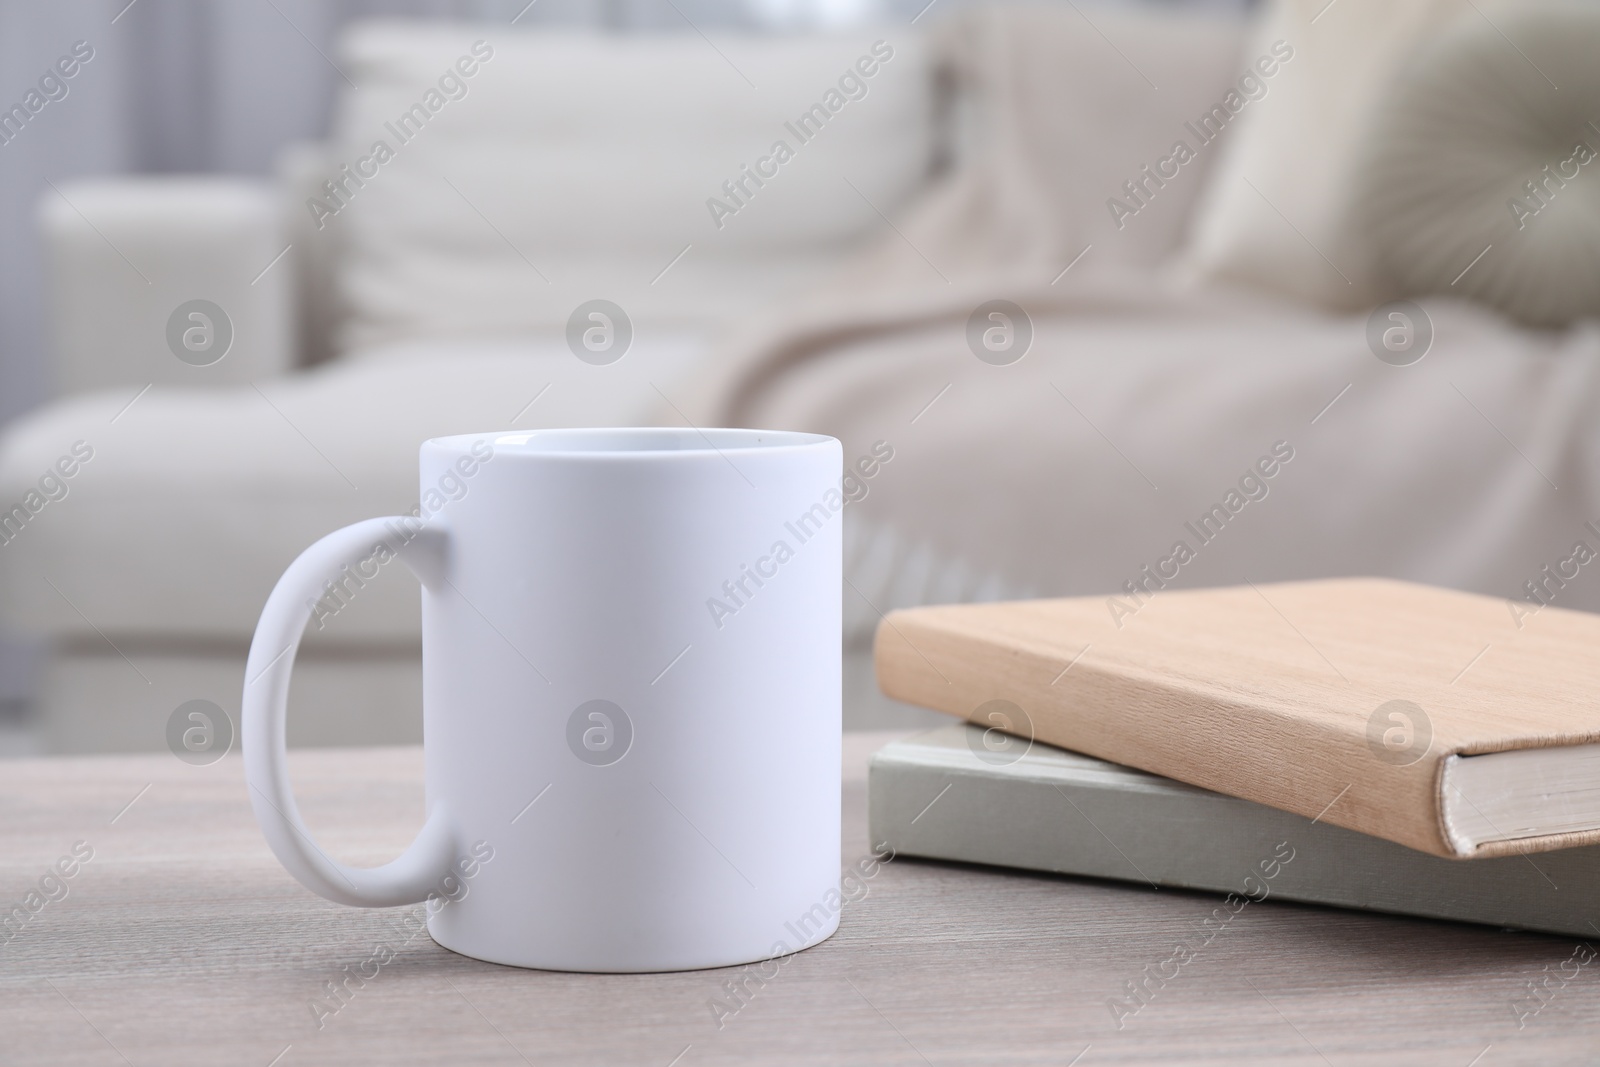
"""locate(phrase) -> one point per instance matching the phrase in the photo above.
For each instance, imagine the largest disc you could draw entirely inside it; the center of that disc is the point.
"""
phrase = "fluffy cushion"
(1481, 162)
(1276, 211)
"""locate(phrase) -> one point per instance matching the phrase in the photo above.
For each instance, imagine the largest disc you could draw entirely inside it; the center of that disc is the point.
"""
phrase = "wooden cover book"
(1459, 725)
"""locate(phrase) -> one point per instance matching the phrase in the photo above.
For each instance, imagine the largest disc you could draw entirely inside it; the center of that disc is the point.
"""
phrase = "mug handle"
(264, 711)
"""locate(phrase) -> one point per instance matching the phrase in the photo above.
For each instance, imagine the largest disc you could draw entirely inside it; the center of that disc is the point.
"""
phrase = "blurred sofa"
(433, 295)
(524, 172)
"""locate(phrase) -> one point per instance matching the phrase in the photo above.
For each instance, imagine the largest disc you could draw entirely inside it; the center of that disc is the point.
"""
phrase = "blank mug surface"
(631, 694)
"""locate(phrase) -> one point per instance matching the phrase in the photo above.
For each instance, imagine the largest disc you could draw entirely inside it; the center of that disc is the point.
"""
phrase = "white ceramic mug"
(631, 697)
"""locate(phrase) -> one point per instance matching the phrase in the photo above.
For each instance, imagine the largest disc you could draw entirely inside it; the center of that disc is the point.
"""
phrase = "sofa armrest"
(126, 257)
(301, 169)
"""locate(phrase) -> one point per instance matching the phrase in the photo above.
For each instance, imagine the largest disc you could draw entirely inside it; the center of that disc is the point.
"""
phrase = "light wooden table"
(183, 942)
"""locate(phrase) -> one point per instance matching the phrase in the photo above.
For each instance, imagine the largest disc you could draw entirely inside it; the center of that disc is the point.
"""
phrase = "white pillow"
(1276, 211)
(590, 159)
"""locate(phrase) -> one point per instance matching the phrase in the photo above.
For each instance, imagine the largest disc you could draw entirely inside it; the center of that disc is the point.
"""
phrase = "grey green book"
(962, 793)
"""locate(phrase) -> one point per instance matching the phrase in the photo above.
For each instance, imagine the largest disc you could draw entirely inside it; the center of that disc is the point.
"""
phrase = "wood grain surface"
(183, 942)
(1279, 693)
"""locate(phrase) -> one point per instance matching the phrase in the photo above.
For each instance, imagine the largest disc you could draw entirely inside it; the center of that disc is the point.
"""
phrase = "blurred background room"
(1306, 288)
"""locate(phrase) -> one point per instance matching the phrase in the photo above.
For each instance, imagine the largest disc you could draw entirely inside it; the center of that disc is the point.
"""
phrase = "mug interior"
(635, 440)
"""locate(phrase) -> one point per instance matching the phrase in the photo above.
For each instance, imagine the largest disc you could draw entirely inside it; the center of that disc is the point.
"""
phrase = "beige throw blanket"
(1059, 112)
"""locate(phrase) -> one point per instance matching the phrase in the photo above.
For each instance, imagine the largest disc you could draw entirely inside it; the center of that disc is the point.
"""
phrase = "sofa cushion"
(181, 511)
(570, 166)
(1276, 211)
(1481, 162)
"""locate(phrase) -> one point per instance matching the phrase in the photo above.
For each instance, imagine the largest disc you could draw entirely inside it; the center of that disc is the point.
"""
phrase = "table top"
(182, 941)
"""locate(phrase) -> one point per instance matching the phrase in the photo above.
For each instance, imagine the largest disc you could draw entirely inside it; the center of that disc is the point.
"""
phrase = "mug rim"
(617, 442)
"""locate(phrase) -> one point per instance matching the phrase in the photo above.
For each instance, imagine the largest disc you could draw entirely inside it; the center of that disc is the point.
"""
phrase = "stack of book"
(1360, 743)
